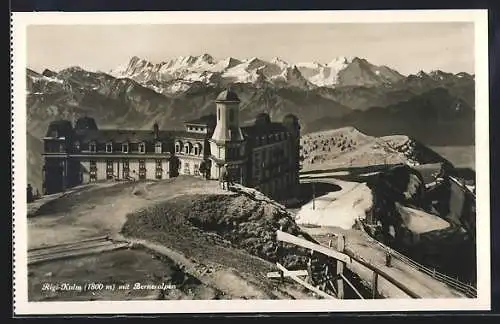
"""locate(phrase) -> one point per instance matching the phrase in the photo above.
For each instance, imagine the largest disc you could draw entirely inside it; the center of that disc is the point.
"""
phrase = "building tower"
(227, 145)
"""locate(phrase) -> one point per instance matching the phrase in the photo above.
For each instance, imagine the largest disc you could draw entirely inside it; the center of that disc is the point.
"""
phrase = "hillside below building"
(264, 155)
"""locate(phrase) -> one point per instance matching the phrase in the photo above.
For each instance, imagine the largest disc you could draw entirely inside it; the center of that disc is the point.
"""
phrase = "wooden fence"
(467, 289)
(335, 283)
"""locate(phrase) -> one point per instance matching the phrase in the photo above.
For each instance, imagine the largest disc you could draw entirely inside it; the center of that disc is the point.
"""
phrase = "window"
(142, 169)
(159, 170)
(158, 147)
(125, 164)
(109, 148)
(126, 169)
(77, 147)
(187, 148)
(178, 146)
(93, 171)
(142, 148)
(125, 148)
(218, 114)
(109, 170)
(92, 147)
(197, 149)
(196, 169)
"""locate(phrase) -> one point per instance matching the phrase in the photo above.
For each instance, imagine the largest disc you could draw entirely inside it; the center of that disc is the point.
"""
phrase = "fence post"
(340, 267)
(314, 196)
(388, 259)
(374, 285)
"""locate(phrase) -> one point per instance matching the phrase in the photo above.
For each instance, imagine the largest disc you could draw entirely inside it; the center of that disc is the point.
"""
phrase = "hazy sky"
(407, 47)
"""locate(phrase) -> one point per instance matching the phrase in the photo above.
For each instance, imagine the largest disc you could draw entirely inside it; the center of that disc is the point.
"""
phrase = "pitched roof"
(119, 135)
(228, 95)
(269, 128)
(63, 127)
(204, 120)
(132, 136)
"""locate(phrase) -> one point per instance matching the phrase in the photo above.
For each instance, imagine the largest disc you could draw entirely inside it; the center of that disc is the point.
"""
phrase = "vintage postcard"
(194, 162)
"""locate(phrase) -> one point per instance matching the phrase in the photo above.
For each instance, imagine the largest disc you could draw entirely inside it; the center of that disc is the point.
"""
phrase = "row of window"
(125, 170)
(186, 168)
(270, 138)
(277, 186)
(272, 155)
(125, 148)
(196, 129)
(188, 148)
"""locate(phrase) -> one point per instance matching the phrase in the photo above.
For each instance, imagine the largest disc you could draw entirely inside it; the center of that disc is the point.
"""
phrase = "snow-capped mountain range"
(179, 74)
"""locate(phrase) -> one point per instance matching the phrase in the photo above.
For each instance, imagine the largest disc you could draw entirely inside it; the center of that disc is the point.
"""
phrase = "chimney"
(156, 131)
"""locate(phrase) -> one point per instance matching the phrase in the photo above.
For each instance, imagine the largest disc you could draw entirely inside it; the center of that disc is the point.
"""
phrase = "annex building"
(263, 155)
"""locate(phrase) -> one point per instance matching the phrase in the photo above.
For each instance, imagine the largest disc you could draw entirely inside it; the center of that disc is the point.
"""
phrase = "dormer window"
(92, 147)
(142, 148)
(187, 148)
(197, 149)
(125, 148)
(158, 147)
(178, 146)
(109, 148)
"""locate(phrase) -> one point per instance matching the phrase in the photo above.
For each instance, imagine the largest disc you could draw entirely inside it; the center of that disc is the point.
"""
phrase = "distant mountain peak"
(206, 58)
(339, 60)
(422, 74)
(179, 74)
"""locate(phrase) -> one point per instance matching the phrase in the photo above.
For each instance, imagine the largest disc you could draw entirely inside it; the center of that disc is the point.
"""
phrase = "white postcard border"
(18, 42)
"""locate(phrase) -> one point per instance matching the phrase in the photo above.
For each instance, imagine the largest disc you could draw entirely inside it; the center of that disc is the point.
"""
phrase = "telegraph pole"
(314, 195)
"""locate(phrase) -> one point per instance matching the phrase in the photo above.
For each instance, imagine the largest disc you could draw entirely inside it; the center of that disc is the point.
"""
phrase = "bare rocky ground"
(219, 240)
(348, 147)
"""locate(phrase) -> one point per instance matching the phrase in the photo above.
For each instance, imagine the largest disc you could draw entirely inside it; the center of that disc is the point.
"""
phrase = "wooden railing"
(343, 257)
(467, 289)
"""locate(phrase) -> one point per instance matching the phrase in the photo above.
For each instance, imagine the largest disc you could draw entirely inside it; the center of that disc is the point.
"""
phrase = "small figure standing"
(223, 177)
(29, 193)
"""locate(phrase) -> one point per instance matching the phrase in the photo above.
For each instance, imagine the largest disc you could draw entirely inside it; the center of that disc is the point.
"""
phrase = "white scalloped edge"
(11, 47)
(483, 302)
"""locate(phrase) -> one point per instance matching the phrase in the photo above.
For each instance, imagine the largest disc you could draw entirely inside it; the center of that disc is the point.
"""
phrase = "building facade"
(264, 155)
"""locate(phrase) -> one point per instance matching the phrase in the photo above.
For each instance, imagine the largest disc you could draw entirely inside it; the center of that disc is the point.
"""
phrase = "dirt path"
(101, 209)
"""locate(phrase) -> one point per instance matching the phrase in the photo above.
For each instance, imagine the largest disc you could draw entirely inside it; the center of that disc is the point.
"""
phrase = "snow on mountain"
(208, 70)
(327, 75)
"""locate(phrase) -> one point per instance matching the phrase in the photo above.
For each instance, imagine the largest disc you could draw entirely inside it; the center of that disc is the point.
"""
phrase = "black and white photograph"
(170, 159)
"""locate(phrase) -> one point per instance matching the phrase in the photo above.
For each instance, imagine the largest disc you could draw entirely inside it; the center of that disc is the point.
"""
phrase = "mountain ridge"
(377, 109)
